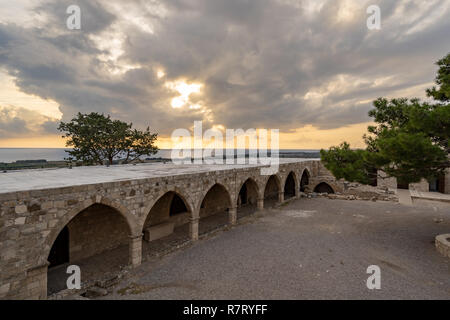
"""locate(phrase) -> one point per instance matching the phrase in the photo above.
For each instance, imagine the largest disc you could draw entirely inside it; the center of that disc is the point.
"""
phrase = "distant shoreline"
(12, 155)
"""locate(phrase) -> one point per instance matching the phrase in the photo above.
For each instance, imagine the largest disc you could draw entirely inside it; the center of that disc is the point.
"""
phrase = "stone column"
(232, 215)
(260, 204)
(297, 193)
(193, 228)
(135, 249)
(280, 197)
(37, 282)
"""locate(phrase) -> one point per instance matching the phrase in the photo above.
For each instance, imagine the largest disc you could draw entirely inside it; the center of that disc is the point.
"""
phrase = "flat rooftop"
(38, 179)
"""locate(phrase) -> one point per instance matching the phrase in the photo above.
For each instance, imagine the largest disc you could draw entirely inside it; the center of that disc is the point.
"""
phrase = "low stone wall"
(353, 191)
(442, 243)
(422, 186)
(384, 182)
(180, 219)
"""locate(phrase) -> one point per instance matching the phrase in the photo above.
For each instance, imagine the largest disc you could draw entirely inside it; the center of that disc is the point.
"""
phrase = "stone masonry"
(32, 218)
(106, 207)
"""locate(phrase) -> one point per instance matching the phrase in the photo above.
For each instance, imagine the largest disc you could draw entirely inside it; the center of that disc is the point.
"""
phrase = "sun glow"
(347, 11)
(185, 90)
(160, 74)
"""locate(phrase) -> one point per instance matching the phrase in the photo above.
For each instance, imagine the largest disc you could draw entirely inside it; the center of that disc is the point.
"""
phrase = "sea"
(9, 155)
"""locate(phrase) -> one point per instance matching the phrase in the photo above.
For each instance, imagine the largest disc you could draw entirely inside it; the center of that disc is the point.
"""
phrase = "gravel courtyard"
(307, 249)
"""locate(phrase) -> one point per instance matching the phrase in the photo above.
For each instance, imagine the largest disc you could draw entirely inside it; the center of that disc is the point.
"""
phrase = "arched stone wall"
(273, 190)
(252, 191)
(224, 192)
(331, 185)
(33, 219)
(64, 220)
(296, 182)
(308, 174)
(277, 180)
(294, 174)
(150, 204)
(253, 183)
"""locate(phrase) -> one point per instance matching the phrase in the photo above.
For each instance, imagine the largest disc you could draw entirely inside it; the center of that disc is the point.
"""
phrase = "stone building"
(440, 184)
(52, 217)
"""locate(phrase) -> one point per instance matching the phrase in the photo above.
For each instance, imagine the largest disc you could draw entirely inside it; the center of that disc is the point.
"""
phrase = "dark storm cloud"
(263, 63)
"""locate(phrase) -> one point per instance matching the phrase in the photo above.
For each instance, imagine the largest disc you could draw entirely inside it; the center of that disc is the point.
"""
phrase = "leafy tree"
(442, 80)
(96, 139)
(410, 140)
(348, 164)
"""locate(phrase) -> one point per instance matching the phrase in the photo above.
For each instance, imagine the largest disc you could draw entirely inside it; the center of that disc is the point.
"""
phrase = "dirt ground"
(306, 249)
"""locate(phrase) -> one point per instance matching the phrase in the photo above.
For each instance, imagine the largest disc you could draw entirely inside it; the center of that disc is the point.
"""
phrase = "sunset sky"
(308, 68)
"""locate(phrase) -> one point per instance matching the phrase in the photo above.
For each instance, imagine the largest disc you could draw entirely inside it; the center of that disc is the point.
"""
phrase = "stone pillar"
(232, 215)
(135, 249)
(193, 228)
(37, 282)
(260, 204)
(382, 181)
(281, 197)
(297, 193)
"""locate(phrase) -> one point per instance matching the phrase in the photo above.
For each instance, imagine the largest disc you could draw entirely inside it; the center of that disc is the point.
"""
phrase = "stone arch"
(210, 187)
(304, 179)
(247, 199)
(215, 208)
(253, 183)
(166, 220)
(323, 187)
(290, 185)
(277, 180)
(186, 199)
(98, 227)
(272, 189)
(133, 226)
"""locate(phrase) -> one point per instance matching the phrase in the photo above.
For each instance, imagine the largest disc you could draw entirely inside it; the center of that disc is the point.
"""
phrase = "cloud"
(261, 63)
(18, 122)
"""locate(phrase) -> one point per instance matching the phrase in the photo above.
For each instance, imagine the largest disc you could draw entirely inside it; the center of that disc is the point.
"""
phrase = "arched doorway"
(289, 186)
(271, 191)
(247, 198)
(323, 187)
(96, 240)
(214, 209)
(304, 180)
(166, 225)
